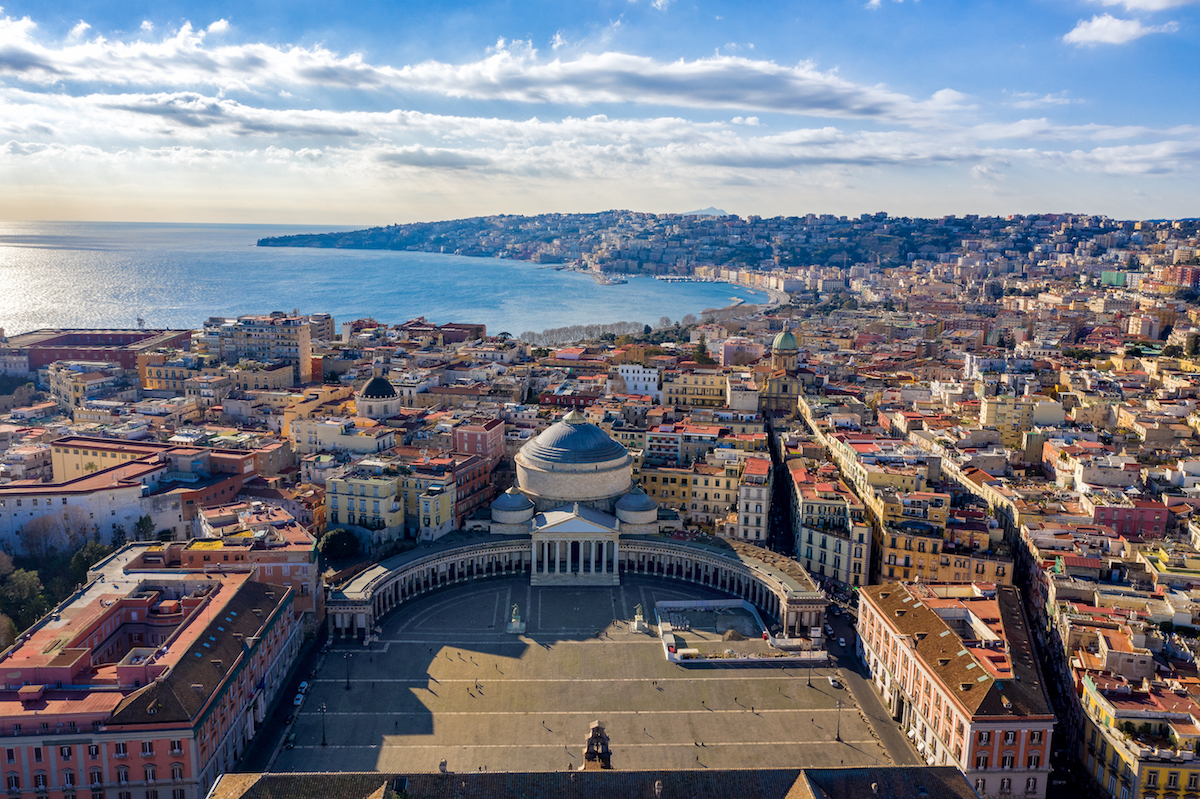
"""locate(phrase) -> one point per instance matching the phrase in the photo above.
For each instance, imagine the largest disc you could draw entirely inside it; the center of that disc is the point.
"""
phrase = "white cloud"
(220, 26)
(1033, 100)
(80, 28)
(558, 41)
(1146, 5)
(1107, 29)
(147, 26)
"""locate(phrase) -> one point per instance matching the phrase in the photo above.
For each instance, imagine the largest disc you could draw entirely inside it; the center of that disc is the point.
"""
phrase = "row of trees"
(555, 336)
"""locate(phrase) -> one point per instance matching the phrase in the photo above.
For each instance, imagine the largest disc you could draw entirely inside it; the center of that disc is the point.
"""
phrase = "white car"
(834, 681)
(828, 629)
(842, 643)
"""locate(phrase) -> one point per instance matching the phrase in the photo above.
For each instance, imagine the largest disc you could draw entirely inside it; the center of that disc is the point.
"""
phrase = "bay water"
(108, 274)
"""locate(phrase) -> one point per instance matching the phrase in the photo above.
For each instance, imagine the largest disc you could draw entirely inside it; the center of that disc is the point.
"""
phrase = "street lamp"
(323, 742)
(838, 737)
(347, 657)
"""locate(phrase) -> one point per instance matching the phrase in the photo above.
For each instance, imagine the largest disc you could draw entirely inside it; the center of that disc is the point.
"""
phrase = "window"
(1010, 737)
(1005, 785)
(122, 775)
(1031, 785)
(11, 755)
(177, 772)
(37, 754)
(1151, 779)
(176, 747)
(1035, 760)
(68, 777)
(981, 761)
(985, 737)
(178, 793)
(96, 777)
(39, 780)
(1007, 761)
(14, 782)
(120, 750)
(147, 748)
(1035, 737)
(93, 752)
(980, 786)
(1193, 781)
(124, 795)
(64, 752)
(151, 794)
(1172, 779)
(148, 771)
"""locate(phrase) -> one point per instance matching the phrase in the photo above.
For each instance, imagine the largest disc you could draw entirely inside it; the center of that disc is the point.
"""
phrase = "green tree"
(338, 544)
(6, 564)
(1193, 346)
(88, 556)
(700, 354)
(143, 529)
(118, 536)
(8, 631)
(22, 597)
(1171, 351)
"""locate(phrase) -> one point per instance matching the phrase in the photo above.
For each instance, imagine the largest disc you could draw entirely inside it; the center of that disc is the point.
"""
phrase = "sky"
(385, 111)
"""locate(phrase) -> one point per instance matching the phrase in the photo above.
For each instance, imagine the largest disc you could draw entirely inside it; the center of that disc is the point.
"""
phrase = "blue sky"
(378, 112)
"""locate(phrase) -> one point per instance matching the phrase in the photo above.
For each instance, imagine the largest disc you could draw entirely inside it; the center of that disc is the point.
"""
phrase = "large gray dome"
(573, 440)
(378, 388)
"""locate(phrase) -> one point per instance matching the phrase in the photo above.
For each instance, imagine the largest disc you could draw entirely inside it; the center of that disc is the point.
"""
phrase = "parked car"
(299, 700)
(828, 629)
(290, 718)
(842, 642)
(833, 681)
(290, 741)
(304, 687)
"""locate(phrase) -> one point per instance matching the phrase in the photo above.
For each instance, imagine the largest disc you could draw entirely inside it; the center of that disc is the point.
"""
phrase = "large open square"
(445, 681)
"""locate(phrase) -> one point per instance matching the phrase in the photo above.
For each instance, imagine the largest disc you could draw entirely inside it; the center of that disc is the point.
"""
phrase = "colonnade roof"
(355, 589)
(787, 572)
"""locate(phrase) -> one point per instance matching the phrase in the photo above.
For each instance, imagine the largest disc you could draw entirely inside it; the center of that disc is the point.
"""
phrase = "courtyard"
(445, 681)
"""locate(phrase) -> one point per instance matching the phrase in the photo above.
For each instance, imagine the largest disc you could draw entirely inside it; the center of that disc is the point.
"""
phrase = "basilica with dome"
(575, 497)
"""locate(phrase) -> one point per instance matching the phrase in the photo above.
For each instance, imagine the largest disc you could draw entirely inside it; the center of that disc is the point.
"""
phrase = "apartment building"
(358, 435)
(956, 667)
(272, 337)
(831, 535)
(754, 501)
(701, 388)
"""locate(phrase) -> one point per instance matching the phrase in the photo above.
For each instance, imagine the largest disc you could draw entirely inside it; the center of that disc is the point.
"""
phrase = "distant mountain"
(709, 211)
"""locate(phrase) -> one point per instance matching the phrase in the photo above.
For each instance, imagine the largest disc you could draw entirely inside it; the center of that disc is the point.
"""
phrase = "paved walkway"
(445, 681)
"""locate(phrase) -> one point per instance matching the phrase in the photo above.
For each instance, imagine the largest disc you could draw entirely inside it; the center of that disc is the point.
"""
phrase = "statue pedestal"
(516, 626)
(639, 625)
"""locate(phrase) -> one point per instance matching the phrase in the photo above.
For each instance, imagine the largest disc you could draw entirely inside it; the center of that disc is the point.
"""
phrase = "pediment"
(574, 526)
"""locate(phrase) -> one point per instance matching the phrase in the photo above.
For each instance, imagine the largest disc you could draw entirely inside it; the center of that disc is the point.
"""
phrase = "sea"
(110, 274)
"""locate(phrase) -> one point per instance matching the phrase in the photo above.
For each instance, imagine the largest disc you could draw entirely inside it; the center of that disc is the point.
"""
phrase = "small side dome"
(378, 388)
(636, 501)
(637, 508)
(785, 342)
(512, 501)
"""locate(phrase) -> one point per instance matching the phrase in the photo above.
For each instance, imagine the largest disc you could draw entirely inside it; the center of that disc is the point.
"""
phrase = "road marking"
(688, 744)
(552, 713)
(418, 680)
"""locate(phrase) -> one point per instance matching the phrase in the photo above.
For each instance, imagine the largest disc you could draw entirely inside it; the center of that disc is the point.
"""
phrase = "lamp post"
(347, 657)
(838, 737)
(323, 741)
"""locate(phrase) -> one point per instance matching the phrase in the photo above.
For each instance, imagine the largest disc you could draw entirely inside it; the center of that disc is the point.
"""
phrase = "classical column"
(604, 557)
(615, 554)
(556, 556)
(592, 557)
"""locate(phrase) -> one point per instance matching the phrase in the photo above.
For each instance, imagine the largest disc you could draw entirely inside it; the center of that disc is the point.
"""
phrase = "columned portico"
(575, 546)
